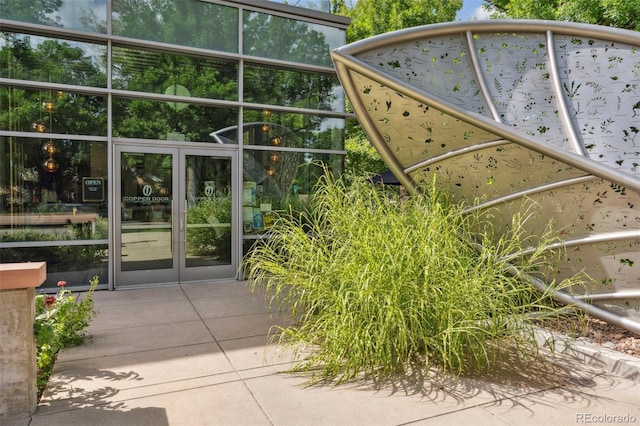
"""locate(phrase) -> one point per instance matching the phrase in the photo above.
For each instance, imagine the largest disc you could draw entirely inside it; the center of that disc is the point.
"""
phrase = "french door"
(176, 215)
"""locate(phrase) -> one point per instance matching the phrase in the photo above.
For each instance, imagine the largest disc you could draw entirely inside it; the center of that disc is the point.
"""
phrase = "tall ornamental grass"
(376, 283)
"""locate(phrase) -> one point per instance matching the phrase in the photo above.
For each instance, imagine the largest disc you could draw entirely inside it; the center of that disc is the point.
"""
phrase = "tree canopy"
(614, 13)
(371, 17)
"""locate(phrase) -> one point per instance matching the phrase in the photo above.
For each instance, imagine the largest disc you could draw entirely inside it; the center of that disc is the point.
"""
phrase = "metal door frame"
(178, 273)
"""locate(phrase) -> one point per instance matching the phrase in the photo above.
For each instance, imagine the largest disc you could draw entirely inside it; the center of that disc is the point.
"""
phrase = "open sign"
(92, 189)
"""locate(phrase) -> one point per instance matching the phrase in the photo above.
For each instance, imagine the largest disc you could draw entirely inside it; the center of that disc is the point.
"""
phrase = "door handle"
(172, 230)
(183, 229)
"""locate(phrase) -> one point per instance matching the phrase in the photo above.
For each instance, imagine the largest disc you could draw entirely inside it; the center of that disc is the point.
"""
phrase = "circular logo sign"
(146, 190)
(208, 191)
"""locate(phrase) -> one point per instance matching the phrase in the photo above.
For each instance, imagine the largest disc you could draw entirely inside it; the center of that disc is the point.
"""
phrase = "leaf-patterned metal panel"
(513, 112)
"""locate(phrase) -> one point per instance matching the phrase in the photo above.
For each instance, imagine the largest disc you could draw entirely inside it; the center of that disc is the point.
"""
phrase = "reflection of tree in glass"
(140, 169)
(155, 120)
(286, 170)
(286, 39)
(34, 11)
(154, 72)
(71, 113)
(86, 15)
(188, 23)
(277, 86)
(211, 241)
(27, 58)
(55, 61)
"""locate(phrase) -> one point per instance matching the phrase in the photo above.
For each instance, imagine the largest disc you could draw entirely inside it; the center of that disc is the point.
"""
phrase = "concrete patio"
(198, 355)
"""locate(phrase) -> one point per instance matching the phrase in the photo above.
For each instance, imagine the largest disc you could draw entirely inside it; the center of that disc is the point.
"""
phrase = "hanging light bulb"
(50, 165)
(271, 171)
(274, 157)
(48, 106)
(49, 148)
(38, 126)
(265, 128)
(275, 140)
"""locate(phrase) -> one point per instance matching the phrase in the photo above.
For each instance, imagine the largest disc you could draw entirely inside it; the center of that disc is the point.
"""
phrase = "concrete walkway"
(197, 355)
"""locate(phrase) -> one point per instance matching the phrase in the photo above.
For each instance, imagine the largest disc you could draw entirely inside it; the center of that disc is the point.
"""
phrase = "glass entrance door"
(176, 216)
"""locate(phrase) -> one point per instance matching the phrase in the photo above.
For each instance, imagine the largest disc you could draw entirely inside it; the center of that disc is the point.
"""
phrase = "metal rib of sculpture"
(506, 111)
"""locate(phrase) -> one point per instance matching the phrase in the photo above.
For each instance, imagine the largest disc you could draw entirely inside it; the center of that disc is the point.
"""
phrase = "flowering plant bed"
(60, 322)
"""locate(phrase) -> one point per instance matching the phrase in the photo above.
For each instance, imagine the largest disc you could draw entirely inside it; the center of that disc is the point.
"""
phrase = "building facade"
(149, 142)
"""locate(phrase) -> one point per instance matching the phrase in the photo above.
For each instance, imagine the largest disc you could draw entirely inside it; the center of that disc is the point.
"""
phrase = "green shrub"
(210, 239)
(59, 258)
(60, 322)
(376, 283)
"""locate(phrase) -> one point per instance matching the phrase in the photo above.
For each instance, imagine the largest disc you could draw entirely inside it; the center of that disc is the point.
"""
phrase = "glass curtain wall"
(131, 74)
(53, 154)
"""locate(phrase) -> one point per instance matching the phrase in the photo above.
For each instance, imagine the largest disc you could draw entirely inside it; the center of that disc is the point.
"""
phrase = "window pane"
(292, 130)
(276, 37)
(208, 180)
(84, 15)
(143, 220)
(177, 121)
(277, 86)
(52, 189)
(50, 111)
(35, 58)
(154, 72)
(186, 23)
(279, 180)
(75, 264)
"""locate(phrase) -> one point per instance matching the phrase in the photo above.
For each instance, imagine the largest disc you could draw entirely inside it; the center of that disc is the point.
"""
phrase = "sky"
(472, 9)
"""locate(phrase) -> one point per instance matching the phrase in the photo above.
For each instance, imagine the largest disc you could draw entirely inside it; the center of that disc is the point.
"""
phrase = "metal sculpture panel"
(508, 111)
